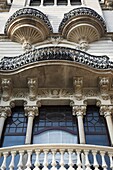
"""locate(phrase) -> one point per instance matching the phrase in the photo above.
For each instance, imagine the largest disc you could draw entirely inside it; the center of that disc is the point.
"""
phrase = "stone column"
(31, 111)
(79, 111)
(4, 112)
(42, 2)
(69, 2)
(107, 111)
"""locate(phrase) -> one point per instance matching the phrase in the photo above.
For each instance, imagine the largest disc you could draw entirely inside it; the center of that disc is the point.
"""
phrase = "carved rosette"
(104, 87)
(6, 88)
(78, 85)
(106, 110)
(79, 110)
(31, 111)
(5, 111)
(32, 84)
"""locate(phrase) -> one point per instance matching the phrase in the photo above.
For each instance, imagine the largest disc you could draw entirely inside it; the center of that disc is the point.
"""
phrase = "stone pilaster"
(107, 111)
(31, 112)
(79, 111)
(6, 88)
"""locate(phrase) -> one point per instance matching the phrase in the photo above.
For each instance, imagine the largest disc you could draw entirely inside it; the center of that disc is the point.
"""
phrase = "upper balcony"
(74, 156)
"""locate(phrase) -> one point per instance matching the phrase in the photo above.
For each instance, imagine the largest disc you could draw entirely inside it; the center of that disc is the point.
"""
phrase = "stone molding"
(55, 53)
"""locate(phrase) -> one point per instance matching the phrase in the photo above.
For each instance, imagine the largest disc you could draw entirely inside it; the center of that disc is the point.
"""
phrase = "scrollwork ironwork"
(55, 53)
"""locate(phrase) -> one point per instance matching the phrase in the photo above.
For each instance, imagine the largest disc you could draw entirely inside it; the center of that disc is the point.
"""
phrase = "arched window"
(55, 124)
(15, 128)
(95, 127)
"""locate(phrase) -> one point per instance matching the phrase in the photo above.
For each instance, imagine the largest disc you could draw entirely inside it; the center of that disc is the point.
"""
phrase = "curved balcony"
(28, 26)
(56, 156)
(82, 25)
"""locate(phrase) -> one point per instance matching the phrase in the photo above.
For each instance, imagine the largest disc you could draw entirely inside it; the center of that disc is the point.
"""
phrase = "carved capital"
(78, 85)
(79, 110)
(6, 88)
(32, 84)
(106, 110)
(5, 111)
(104, 87)
(31, 111)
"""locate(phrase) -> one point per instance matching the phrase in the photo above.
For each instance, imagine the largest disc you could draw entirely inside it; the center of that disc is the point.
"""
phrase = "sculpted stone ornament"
(104, 87)
(5, 111)
(109, 3)
(79, 110)
(31, 111)
(32, 84)
(26, 46)
(78, 85)
(6, 87)
(83, 45)
(106, 110)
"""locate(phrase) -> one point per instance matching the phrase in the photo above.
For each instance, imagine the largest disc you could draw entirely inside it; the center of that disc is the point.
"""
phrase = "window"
(55, 121)
(75, 2)
(48, 2)
(61, 2)
(35, 2)
(15, 126)
(95, 127)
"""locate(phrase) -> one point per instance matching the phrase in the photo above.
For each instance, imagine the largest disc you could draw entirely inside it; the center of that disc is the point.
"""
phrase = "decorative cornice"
(82, 11)
(28, 12)
(55, 53)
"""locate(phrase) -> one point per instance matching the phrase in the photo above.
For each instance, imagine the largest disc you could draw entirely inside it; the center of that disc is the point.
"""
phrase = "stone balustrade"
(56, 156)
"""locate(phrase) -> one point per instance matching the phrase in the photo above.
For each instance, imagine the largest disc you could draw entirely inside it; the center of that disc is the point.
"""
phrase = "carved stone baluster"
(70, 160)
(111, 160)
(62, 160)
(28, 164)
(104, 165)
(37, 163)
(20, 163)
(87, 163)
(3, 166)
(95, 163)
(11, 166)
(79, 164)
(53, 160)
(45, 163)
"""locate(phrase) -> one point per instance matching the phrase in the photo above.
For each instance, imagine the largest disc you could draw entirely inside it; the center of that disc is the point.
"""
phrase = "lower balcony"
(60, 156)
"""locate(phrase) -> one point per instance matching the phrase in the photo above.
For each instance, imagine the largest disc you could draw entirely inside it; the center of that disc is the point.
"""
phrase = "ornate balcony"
(56, 156)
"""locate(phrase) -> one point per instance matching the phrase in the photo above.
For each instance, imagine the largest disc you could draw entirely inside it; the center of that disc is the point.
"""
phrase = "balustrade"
(63, 157)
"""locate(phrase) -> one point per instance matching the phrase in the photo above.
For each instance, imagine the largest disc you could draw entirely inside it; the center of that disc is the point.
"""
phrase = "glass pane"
(13, 140)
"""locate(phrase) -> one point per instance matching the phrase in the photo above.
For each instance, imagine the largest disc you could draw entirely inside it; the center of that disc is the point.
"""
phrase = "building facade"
(56, 85)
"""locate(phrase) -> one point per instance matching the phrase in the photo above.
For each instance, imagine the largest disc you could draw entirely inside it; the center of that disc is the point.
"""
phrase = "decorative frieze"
(32, 84)
(6, 88)
(78, 85)
(20, 93)
(104, 87)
